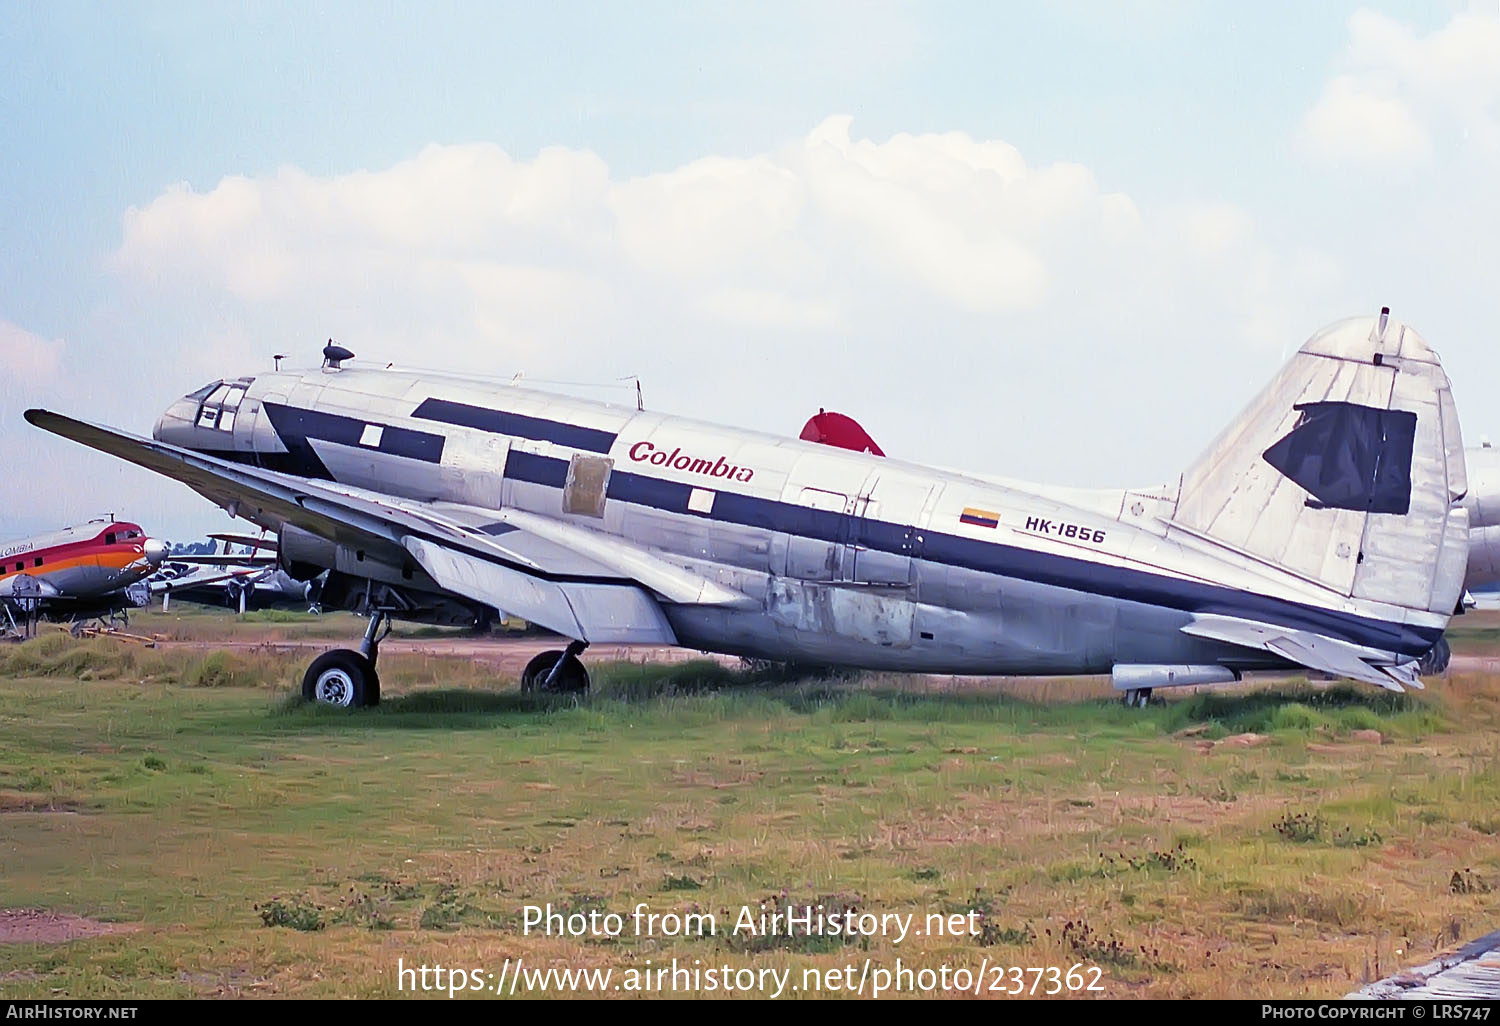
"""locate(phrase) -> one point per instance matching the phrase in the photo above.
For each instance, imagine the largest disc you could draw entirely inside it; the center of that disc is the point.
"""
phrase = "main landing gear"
(557, 672)
(346, 677)
(1138, 698)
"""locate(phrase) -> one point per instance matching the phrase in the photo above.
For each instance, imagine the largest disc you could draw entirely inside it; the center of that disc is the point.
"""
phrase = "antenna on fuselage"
(640, 400)
(335, 355)
(276, 358)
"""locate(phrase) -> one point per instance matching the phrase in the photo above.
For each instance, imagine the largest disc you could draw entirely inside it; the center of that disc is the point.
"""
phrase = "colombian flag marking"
(979, 517)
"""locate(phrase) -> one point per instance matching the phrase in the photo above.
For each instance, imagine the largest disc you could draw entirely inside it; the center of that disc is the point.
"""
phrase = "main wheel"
(341, 678)
(572, 678)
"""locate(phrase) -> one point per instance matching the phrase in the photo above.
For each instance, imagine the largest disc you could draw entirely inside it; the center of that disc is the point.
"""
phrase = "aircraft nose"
(175, 425)
(156, 552)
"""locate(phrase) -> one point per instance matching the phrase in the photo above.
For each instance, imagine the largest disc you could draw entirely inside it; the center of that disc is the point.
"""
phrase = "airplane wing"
(1315, 651)
(566, 578)
(247, 561)
(249, 541)
(196, 579)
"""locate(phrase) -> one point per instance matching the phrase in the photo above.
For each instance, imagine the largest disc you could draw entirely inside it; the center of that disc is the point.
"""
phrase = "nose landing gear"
(347, 678)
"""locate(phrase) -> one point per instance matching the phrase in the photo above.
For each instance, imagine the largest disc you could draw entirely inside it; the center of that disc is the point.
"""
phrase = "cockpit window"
(220, 404)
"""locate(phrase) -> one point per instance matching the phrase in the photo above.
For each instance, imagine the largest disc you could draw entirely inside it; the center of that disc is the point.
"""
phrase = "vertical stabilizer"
(1347, 470)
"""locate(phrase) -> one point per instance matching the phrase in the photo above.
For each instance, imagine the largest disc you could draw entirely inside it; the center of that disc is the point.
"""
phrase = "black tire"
(342, 678)
(571, 679)
(1437, 658)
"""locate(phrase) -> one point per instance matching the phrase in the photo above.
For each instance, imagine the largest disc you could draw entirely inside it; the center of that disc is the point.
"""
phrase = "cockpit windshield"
(219, 403)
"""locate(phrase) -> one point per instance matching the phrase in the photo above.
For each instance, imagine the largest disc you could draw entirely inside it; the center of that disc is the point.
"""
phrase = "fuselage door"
(254, 434)
(886, 534)
(818, 541)
(250, 427)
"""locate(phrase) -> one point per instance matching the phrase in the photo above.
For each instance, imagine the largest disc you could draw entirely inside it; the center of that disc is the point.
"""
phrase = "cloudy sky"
(1062, 242)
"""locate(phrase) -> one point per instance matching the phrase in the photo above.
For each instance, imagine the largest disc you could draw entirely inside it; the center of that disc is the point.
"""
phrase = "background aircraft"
(1323, 528)
(248, 580)
(92, 569)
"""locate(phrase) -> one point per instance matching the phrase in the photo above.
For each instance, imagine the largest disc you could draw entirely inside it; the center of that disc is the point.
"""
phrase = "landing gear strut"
(556, 671)
(1138, 698)
(345, 677)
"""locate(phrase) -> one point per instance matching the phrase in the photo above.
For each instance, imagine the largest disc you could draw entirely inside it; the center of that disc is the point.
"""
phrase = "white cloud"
(1400, 91)
(27, 360)
(1352, 122)
(910, 281)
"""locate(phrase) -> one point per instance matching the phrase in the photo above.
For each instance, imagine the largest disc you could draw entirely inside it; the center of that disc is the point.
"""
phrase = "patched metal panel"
(472, 470)
(586, 486)
(869, 617)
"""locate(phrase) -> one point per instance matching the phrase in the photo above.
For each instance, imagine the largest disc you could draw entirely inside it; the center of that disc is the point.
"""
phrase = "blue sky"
(1319, 159)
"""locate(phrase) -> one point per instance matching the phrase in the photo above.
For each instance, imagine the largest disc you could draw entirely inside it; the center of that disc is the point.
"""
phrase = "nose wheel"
(346, 678)
(1138, 698)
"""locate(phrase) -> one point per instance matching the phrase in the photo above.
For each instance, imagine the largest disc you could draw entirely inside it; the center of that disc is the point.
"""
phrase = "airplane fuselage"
(845, 558)
(82, 563)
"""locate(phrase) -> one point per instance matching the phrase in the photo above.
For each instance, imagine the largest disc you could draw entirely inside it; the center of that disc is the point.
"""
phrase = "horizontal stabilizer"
(1314, 651)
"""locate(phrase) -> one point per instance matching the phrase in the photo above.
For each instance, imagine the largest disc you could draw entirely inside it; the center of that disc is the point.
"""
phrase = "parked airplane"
(1324, 528)
(86, 570)
(247, 580)
(1483, 504)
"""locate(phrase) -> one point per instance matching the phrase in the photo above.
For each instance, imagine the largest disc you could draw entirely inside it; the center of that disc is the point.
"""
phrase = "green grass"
(265, 846)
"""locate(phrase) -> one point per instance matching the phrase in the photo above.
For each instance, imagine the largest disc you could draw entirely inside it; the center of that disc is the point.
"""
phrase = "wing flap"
(674, 583)
(593, 612)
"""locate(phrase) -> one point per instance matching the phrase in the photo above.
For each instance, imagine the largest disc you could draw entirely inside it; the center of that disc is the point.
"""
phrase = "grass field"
(1259, 841)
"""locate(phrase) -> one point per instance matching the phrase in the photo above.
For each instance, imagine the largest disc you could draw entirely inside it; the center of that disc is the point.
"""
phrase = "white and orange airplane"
(84, 570)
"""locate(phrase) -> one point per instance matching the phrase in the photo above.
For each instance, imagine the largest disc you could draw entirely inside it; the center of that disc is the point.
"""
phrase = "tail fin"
(1347, 470)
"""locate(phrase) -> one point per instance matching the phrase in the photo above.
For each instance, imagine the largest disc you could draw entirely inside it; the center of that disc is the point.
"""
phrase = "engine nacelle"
(1482, 469)
(1484, 557)
(304, 555)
